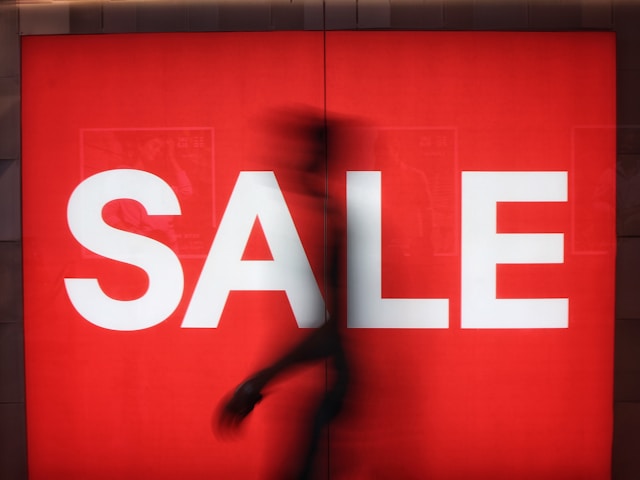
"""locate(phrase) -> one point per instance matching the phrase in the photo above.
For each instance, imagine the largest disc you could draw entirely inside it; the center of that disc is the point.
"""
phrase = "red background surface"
(444, 404)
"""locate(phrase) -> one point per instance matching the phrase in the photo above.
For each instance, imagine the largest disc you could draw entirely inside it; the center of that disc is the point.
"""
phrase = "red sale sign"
(169, 252)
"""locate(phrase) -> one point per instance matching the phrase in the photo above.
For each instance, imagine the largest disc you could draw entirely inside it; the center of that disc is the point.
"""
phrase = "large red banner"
(168, 253)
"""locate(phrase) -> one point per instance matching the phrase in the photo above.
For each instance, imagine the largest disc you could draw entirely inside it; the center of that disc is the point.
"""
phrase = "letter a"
(256, 194)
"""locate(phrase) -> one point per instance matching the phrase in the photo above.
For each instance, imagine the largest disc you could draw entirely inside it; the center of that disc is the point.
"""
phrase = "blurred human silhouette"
(313, 140)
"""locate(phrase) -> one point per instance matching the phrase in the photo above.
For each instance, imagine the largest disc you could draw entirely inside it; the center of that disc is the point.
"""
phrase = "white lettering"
(483, 248)
(84, 216)
(365, 305)
(255, 195)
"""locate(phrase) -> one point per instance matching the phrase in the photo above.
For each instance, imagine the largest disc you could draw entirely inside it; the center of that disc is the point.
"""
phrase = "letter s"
(166, 279)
